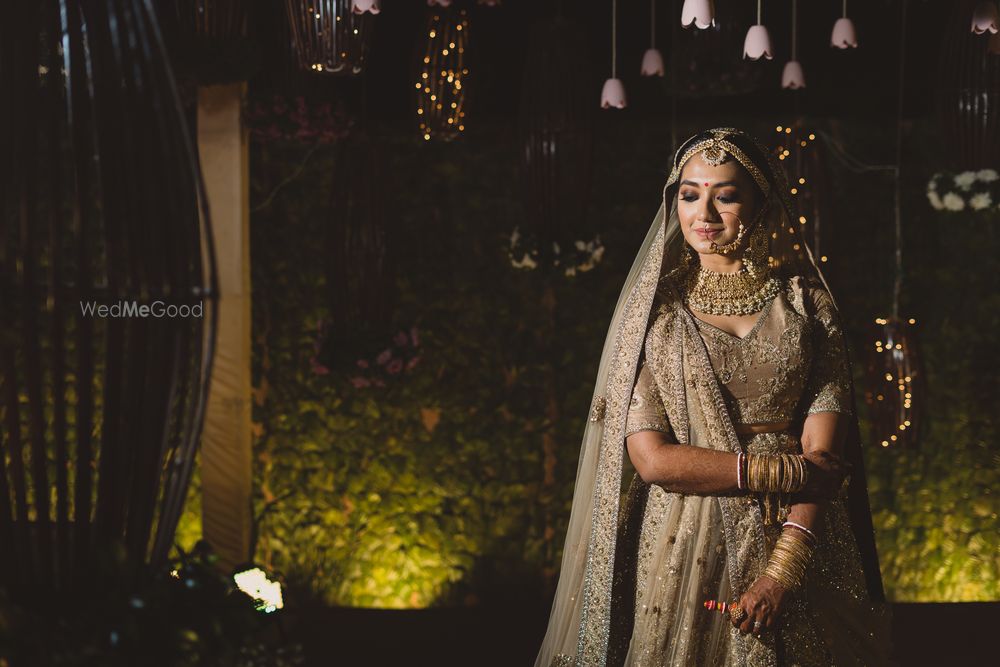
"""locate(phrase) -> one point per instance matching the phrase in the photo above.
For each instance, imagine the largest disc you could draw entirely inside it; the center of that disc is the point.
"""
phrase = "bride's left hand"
(763, 602)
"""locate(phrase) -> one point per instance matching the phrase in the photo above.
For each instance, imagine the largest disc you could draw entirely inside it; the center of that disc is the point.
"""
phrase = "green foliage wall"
(432, 489)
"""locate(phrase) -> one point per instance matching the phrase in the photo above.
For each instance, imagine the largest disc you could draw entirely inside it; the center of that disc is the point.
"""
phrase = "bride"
(725, 383)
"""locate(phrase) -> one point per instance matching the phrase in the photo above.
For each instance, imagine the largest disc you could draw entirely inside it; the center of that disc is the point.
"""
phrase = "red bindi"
(706, 184)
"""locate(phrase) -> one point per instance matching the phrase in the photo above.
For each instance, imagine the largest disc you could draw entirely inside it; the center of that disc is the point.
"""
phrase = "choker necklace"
(743, 292)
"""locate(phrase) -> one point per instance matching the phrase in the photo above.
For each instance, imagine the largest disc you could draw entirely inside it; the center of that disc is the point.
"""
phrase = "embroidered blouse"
(792, 363)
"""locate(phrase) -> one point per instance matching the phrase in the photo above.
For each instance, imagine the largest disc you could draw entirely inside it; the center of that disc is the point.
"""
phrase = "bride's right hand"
(826, 475)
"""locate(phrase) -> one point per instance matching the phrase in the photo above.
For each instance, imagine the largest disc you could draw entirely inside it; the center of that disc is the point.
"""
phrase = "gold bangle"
(781, 473)
(790, 558)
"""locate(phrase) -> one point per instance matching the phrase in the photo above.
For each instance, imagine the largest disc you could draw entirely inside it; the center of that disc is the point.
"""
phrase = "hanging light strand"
(614, 39)
(898, 284)
(795, 30)
(652, 24)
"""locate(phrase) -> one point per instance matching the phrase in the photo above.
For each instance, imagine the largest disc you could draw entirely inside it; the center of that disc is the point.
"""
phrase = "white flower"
(965, 179)
(935, 200)
(555, 247)
(980, 201)
(570, 271)
(580, 245)
(598, 253)
(953, 202)
(987, 175)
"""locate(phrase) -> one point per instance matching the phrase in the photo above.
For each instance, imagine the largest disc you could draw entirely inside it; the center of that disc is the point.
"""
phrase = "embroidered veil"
(580, 622)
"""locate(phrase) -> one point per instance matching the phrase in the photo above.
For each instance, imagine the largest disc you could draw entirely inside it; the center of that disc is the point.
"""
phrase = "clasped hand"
(764, 600)
(826, 475)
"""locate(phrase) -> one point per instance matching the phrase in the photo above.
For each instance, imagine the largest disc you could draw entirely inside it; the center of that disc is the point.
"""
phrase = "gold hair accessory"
(714, 150)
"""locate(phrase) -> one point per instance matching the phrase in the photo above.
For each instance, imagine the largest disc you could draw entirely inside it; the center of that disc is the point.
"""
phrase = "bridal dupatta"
(580, 622)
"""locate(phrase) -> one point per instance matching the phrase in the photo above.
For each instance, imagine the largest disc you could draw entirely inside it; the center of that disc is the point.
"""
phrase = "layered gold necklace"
(742, 292)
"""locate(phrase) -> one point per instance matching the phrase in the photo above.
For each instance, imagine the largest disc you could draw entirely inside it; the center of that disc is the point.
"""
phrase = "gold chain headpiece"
(714, 150)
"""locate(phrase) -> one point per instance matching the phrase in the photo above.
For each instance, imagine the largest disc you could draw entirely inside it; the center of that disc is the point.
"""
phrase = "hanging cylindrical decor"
(896, 378)
(802, 156)
(108, 284)
(330, 36)
(757, 44)
(844, 35)
(652, 59)
(613, 91)
(556, 140)
(792, 77)
(443, 70)
(896, 393)
(967, 96)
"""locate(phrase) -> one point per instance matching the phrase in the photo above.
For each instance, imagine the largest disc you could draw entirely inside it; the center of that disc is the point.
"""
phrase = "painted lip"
(708, 233)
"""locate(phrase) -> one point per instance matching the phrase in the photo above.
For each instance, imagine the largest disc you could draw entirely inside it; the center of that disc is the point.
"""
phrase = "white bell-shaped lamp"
(362, 6)
(652, 63)
(792, 77)
(844, 35)
(757, 44)
(699, 13)
(613, 94)
(985, 18)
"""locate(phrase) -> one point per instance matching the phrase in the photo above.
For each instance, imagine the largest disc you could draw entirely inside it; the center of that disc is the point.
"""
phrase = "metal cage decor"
(442, 71)
(107, 283)
(967, 94)
(328, 36)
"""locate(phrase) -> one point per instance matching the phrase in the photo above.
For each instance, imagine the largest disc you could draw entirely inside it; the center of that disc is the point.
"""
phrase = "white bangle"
(739, 470)
(801, 527)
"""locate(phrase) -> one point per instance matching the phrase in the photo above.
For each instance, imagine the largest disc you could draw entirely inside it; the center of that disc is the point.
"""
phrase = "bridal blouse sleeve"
(828, 388)
(645, 410)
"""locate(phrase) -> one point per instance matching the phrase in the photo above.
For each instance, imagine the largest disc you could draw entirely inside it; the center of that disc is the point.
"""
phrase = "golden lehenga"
(638, 561)
(792, 363)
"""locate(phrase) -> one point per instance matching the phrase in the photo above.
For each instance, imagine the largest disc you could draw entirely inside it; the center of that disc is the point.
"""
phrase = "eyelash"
(690, 197)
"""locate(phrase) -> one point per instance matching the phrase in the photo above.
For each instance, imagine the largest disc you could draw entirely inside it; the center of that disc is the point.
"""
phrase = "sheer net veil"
(578, 627)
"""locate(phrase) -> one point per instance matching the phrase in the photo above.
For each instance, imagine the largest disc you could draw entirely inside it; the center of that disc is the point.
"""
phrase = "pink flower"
(413, 336)
(383, 356)
(395, 366)
(412, 362)
(362, 363)
(401, 339)
(359, 382)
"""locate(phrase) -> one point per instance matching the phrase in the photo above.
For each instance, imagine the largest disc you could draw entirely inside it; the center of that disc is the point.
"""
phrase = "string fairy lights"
(791, 150)
(443, 70)
(895, 370)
